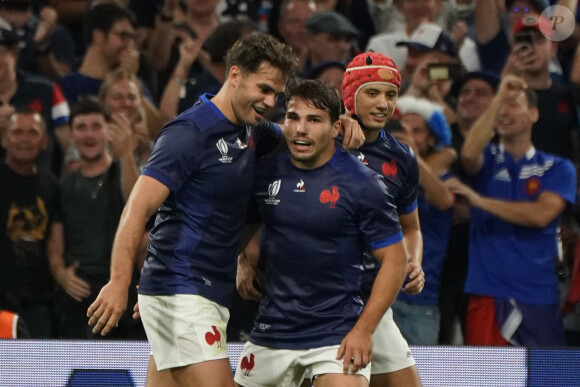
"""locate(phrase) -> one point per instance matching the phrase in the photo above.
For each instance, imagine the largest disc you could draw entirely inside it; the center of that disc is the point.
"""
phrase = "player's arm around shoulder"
(147, 195)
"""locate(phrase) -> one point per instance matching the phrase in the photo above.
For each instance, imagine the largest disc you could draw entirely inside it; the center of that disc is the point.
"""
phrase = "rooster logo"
(214, 337)
(247, 364)
(361, 157)
(327, 197)
(390, 169)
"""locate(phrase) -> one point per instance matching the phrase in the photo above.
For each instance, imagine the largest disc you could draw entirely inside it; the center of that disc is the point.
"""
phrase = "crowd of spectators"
(86, 85)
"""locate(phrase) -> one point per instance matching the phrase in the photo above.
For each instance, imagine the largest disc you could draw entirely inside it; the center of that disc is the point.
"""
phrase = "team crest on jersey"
(327, 196)
(241, 144)
(273, 190)
(223, 148)
(362, 158)
(247, 364)
(213, 337)
(390, 169)
(300, 186)
(533, 185)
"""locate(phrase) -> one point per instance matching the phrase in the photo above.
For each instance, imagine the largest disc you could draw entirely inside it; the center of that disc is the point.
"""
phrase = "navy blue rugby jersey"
(207, 162)
(396, 162)
(316, 225)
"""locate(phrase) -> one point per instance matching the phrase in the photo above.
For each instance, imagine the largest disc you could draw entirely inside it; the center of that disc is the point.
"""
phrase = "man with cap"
(556, 130)
(474, 92)
(492, 38)
(330, 37)
(423, 35)
(370, 91)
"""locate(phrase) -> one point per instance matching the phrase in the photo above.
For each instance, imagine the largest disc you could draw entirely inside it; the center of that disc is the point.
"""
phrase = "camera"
(445, 71)
(525, 39)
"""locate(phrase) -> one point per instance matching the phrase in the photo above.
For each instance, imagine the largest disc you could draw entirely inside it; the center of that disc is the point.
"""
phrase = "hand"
(48, 19)
(136, 313)
(356, 349)
(246, 278)
(459, 188)
(74, 286)
(416, 279)
(105, 312)
(188, 51)
(458, 33)
(129, 60)
(352, 134)
(510, 88)
(120, 135)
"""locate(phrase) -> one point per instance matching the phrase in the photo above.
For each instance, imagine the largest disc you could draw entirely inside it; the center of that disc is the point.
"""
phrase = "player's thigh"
(341, 380)
(208, 373)
(406, 377)
(184, 329)
(158, 378)
(390, 350)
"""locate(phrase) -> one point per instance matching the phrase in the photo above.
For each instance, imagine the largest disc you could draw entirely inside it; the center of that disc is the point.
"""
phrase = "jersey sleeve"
(176, 155)
(561, 179)
(268, 136)
(378, 217)
(407, 199)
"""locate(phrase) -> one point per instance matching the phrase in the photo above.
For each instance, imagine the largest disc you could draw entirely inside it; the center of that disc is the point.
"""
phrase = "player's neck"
(222, 100)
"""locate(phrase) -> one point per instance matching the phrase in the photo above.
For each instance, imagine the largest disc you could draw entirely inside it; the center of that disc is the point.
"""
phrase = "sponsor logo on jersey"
(223, 148)
(502, 175)
(327, 196)
(273, 190)
(300, 186)
(241, 144)
(361, 157)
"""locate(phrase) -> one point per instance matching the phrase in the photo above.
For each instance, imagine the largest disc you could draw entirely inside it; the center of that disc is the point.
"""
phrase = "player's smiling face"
(255, 93)
(375, 104)
(309, 134)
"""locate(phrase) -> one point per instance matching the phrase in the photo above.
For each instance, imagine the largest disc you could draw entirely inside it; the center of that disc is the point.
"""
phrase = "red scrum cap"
(368, 67)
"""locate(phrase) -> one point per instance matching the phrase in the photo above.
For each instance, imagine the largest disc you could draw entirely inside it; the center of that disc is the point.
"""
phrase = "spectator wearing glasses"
(110, 37)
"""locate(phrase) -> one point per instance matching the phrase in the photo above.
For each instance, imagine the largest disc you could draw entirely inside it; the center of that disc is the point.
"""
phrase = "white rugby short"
(262, 366)
(390, 350)
(184, 329)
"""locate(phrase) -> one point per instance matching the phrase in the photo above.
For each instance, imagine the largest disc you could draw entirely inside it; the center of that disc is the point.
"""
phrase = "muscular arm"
(487, 21)
(538, 213)
(358, 342)
(413, 242)
(436, 193)
(148, 194)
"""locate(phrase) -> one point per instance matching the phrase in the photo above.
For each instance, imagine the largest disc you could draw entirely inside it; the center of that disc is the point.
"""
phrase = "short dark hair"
(225, 36)
(251, 51)
(86, 105)
(102, 17)
(318, 93)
